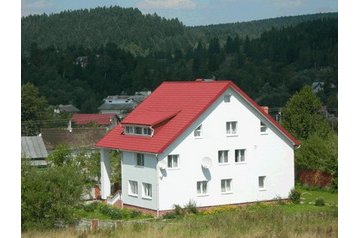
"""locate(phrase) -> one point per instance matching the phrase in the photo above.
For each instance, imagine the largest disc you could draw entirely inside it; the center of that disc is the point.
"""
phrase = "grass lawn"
(258, 220)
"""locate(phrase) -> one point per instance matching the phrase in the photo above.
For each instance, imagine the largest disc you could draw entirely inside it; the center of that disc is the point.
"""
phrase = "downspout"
(157, 185)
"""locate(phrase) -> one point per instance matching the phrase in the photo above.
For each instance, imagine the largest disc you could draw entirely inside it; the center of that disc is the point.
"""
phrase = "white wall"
(146, 174)
(268, 155)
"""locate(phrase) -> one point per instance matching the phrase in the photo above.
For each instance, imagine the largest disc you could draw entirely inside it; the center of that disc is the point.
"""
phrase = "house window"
(223, 156)
(202, 187)
(240, 156)
(140, 159)
(147, 190)
(262, 182)
(197, 132)
(227, 98)
(173, 161)
(231, 127)
(226, 185)
(263, 127)
(138, 130)
(129, 130)
(133, 188)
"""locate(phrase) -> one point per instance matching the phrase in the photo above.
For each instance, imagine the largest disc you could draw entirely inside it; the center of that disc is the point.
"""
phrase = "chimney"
(265, 108)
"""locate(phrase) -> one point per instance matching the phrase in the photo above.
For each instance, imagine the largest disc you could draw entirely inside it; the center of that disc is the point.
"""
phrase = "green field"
(257, 220)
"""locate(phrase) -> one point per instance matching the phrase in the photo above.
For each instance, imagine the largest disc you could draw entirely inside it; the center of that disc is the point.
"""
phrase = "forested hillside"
(270, 68)
(131, 30)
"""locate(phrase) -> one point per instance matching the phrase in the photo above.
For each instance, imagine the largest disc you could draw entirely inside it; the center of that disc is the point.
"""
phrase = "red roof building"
(170, 110)
(99, 119)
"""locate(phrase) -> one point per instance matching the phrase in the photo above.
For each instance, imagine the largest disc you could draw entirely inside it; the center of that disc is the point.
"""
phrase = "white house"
(204, 141)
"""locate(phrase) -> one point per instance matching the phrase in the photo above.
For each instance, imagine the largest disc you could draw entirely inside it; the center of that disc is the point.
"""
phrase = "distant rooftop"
(33, 147)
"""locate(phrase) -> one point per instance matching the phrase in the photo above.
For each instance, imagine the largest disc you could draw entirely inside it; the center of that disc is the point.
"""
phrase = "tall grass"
(266, 221)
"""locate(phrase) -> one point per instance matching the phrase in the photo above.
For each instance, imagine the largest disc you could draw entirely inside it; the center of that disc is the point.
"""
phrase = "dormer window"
(138, 130)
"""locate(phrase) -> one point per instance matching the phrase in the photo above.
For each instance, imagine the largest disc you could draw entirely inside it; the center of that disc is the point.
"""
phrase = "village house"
(33, 149)
(202, 141)
(122, 104)
(108, 120)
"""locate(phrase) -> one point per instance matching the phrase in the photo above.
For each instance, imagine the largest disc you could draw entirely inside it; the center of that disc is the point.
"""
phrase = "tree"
(49, 195)
(301, 115)
(33, 109)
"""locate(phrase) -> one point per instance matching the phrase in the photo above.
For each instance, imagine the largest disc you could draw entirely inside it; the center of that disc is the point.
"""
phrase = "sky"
(193, 12)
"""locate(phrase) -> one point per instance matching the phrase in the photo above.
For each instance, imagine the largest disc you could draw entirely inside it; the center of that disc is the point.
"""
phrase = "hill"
(139, 33)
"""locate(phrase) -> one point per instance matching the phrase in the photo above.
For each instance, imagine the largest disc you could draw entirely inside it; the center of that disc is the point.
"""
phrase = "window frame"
(139, 157)
(171, 157)
(130, 192)
(227, 157)
(229, 128)
(225, 186)
(263, 187)
(238, 156)
(227, 98)
(200, 188)
(138, 130)
(144, 195)
(263, 125)
(200, 130)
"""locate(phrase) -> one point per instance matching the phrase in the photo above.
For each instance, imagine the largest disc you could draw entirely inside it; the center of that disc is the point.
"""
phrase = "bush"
(49, 195)
(90, 207)
(170, 215)
(178, 210)
(319, 202)
(191, 207)
(295, 196)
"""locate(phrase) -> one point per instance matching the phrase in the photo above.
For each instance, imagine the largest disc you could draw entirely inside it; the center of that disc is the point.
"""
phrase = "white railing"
(114, 199)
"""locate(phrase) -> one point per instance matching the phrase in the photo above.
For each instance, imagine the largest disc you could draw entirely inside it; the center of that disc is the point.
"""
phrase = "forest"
(82, 56)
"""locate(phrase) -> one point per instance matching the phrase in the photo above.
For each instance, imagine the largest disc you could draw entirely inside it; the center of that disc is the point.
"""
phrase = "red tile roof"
(184, 102)
(99, 119)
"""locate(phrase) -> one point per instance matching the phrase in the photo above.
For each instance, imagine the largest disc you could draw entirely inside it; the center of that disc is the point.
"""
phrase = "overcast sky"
(193, 12)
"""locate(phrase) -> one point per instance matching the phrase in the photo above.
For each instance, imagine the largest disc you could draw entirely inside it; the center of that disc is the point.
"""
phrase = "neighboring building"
(66, 109)
(203, 141)
(109, 120)
(317, 86)
(77, 138)
(122, 104)
(33, 149)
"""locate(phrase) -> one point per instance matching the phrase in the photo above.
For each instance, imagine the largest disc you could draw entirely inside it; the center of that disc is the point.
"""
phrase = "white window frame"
(138, 130)
(227, 98)
(147, 191)
(222, 157)
(226, 186)
(238, 156)
(230, 131)
(170, 161)
(140, 160)
(131, 189)
(263, 128)
(261, 182)
(198, 132)
(202, 188)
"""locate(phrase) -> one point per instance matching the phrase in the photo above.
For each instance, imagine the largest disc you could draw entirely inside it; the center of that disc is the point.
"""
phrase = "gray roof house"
(122, 104)
(33, 148)
(66, 109)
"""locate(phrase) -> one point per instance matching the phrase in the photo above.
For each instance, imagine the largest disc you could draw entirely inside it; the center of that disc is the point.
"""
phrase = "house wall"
(141, 174)
(269, 155)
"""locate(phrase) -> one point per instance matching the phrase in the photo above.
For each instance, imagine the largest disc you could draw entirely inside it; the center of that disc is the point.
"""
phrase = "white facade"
(269, 155)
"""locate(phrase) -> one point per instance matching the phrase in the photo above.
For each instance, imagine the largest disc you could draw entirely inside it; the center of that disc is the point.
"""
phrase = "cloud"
(35, 7)
(167, 4)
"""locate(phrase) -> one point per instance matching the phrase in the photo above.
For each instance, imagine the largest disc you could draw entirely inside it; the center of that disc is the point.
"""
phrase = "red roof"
(179, 104)
(100, 119)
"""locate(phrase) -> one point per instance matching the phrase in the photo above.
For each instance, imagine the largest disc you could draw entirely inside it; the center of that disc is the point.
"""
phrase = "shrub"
(191, 207)
(295, 196)
(134, 214)
(319, 202)
(178, 210)
(170, 215)
(90, 207)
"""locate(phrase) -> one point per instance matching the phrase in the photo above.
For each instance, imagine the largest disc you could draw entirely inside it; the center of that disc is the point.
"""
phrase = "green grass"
(257, 220)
